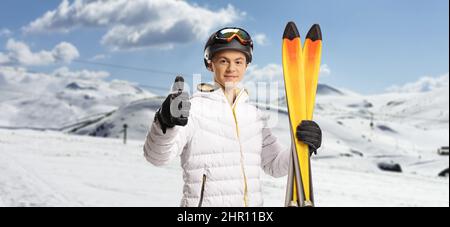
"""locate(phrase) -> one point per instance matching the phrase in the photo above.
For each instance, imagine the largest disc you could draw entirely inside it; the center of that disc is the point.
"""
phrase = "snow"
(407, 129)
(63, 97)
(87, 172)
(58, 165)
(93, 171)
(137, 115)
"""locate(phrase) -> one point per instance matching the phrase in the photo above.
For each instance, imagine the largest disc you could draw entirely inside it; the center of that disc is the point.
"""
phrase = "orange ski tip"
(311, 44)
(291, 48)
(292, 42)
(314, 33)
(291, 31)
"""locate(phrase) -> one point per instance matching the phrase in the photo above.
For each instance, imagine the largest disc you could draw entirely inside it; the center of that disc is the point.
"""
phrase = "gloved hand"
(175, 109)
(310, 133)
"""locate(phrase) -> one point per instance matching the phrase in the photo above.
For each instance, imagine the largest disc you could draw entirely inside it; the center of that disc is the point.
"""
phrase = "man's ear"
(210, 68)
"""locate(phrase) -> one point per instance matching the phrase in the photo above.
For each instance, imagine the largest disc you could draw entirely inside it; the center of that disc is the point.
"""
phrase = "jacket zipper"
(200, 203)
(240, 147)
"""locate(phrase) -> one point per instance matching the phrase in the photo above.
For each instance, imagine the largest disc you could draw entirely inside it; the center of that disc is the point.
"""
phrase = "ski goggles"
(228, 34)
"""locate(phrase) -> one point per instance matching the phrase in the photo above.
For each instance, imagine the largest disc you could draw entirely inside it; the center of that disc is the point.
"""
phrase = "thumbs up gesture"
(175, 109)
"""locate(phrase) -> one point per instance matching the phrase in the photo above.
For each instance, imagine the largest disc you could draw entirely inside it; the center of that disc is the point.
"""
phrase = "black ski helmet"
(217, 43)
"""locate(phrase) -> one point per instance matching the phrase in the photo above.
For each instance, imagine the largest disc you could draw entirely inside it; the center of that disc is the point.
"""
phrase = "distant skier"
(224, 141)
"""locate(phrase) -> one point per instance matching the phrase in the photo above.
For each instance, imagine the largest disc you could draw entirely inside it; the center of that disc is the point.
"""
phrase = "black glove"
(175, 109)
(310, 133)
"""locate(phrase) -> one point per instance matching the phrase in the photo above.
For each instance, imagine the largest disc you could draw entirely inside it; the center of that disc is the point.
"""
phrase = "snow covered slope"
(93, 171)
(401, 128)
(137, 115)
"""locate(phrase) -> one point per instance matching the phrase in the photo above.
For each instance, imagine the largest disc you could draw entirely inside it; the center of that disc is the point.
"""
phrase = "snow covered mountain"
(323, 89)
(37, 100)
(137, 115)
(388, 129)
(395, 128)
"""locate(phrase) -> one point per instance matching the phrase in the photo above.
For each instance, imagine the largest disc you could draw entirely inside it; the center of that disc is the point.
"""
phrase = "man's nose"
(231, 67)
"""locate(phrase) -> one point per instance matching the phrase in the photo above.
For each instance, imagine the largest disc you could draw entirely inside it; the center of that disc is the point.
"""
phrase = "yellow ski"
(300, 69)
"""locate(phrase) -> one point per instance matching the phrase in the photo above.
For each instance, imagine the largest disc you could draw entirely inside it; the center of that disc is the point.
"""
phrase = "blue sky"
(369, 45)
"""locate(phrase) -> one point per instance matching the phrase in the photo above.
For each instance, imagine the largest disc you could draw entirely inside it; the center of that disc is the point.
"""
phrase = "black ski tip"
(291, 31)
(314, 33)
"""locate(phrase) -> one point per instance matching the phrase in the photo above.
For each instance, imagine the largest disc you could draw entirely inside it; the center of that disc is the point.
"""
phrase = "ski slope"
(56, 169)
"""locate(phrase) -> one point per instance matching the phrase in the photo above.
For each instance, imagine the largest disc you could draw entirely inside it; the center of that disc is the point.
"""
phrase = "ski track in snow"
(64, 170)
(23, 187)
(56, 169)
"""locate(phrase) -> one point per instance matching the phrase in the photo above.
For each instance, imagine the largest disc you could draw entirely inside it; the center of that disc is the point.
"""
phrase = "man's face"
(229, 67)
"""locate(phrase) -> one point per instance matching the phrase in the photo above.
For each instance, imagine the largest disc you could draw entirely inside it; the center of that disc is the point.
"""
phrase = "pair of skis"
(301, 65)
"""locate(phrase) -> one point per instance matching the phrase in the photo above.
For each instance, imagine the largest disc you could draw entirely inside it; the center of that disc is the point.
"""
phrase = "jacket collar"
(213, 91)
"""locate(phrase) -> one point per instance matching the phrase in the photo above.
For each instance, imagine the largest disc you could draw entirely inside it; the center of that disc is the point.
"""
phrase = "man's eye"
(239, 62)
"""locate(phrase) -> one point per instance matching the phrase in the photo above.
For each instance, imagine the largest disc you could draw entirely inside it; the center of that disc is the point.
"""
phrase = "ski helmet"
(229, 38)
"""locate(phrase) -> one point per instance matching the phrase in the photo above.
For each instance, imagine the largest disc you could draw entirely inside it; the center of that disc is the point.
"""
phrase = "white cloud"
(138, 23)
(268, 73)
(324, 70)
(20, 53)
(21, 75)
(264, 83)
(65, 52)
(3, 58)
(260, 39)
(424, 84)
(5, 32)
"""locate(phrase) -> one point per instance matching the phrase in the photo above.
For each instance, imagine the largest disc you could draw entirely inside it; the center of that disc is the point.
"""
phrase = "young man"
(223, 141)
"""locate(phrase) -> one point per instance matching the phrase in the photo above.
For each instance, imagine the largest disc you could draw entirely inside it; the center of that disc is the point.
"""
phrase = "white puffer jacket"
(223, 149)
